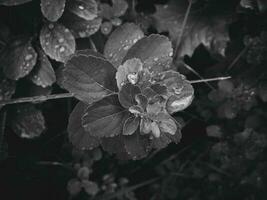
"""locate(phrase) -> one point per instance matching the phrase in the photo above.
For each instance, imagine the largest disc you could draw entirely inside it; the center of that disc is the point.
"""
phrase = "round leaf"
(43, 73)
(52, 9)
(18, 59)
(155, 51)
(77, 135)
(127, 95)
(105, 118)
(120, 41)
(57, 41)
(86, 9)
(90, 78)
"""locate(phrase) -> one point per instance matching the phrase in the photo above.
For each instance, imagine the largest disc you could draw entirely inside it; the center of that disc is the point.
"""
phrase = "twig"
(92, 45)
(210, 79)
(237, 58)
(2, 131)
(179, 39)
(36, 99)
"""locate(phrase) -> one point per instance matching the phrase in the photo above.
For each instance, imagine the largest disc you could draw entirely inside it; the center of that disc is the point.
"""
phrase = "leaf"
(18, 59)
(155, 52)
(13, 2)
(52, 9)
(105, 118)
(120, 41)
(28, 122)
(127, 95)
(137, 146)
(86, 9)
(118, 8)
(80, 27)
(80, 138)
(204, 26)
(74, 186)
(129, 67)
(43, 73)
(89, 78)
(90, 187)
(131, 125)
(57, 41)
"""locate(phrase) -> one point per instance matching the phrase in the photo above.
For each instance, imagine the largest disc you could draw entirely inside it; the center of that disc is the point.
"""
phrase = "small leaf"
(118, 8)
(131, 125)
(127, 95)
(105, 118)
(106, 27)
(43, 73)
(18, 59)
(155, 52)
(80, 138)
(90, 78)
(28, 122)
(13, 2)
(52, 9)
(74, 186)
(90, 187)
(80, 27)
(57, 41)
(86, 9)
(120, 41)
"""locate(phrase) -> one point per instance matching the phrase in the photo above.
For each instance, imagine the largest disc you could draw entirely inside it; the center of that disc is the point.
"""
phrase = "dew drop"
(28, 57)
(81, 7)
(62, 49)
(51, 26)
(171, 54)
(156, 59)
(61, 40)
(132, 78)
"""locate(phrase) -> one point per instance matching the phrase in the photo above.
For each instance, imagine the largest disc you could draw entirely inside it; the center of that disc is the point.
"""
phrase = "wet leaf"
(52, 9)
(57, 41)
(80, 138)
(120, 41)
(13, 2)
(43, 73)
(18, 59)
(80, 27)
(27, 121)
(127, 95)
(86, 9)
(105, 118)
(118, 8)
(90, 187)
(204, 26)
(131, 125)
(155, 52)
(90, 78)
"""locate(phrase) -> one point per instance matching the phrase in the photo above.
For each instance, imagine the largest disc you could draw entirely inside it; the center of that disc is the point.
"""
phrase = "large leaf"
(204, 26)
(18, 59)
(57, 41)
(13, 2)
(86, 9)
(127, 95)
(52, 9)
(155, 51)
(27, 122)
(43, 73)
(120, 41)
(80, 27)
(80, 138)
(90, 78)
(105, 118)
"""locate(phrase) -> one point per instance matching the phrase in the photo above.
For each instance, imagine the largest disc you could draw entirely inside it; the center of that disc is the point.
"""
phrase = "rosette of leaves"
(127, 95)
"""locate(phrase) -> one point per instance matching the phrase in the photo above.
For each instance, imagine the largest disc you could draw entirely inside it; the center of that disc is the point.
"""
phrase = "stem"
(36, 99)
(2, 132)
(237, 58)
(92, 45)
(179, 39)
(210, 79)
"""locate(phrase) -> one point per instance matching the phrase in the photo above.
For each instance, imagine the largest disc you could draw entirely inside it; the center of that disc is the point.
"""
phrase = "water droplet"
(47, 43)
(51, 26)
(132, 78)
(56, 46)
(61, 40)
(81, 7)
(177, 90)
(82, 34)
(28, 57)
(171, 54)
(156, 59)
(126, 47)
(62, 49)
(110, 55)
(135, 40)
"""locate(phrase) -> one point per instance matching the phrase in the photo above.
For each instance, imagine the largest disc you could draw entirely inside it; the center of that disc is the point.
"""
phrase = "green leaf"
(52, 9)
(18, 59)
(80, 27)
(204, 26)
(43, 73)
(86, 9)
(27, 122)
(80, 138)
(89, 78)
(120, 41)
(13, 2)
(131, 125)
(74, 186)
(155, 52)
(57, 41)
(105, 118)
(118, 8)
(127, 95)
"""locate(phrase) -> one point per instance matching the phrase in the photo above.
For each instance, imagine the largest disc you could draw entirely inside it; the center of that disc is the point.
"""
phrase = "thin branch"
(92, 45)
(179, 39)
(237, 58)
(2, 131)
(36, 99)
(210, 79)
